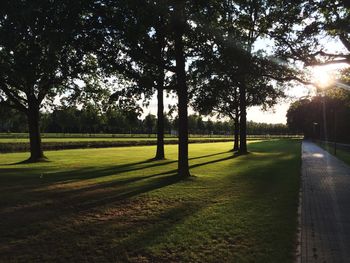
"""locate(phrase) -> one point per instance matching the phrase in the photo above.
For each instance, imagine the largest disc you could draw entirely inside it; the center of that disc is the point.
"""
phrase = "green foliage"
(307, 24)
(228, 59)
(41, 50)
(322, 117)
(150, 123)
(12, 120)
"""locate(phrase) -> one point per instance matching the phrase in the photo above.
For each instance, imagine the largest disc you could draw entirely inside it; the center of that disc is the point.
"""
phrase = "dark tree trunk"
(243, 119)
(183, 167)
(160, 122)
(36, 151)
(160, 88)
(236, 132)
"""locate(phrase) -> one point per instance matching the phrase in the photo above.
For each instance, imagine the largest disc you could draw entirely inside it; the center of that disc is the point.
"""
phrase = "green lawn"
(62, 137)
(116, 205)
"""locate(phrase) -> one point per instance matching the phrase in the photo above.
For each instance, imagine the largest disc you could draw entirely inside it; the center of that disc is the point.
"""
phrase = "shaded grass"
(117, 205)
(342, 154)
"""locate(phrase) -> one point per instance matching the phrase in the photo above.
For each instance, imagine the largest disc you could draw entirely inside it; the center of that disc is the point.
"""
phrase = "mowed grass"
(117, 205)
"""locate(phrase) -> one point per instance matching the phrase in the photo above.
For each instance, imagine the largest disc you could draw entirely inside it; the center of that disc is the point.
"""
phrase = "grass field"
(18, 142)
(62, 137)
(116, 205)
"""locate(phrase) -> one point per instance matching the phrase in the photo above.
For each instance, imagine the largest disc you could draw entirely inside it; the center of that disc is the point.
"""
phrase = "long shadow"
(162, 223)
(135, 191)
(208, 155)
(116, 182)
(48, 177)
(70, 176)
(87, 174)
(29, 170)
(113, 183)
(157, 227)
(215, 161)
(93, 173)
(201, 164)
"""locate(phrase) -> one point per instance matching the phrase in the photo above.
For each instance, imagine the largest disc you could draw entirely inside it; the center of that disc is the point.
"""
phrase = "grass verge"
(342, 154)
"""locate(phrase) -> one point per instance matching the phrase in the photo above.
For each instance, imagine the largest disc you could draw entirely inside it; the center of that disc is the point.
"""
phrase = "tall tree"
(137, 50)
(232, 74)
(180, 23)
(40, 56)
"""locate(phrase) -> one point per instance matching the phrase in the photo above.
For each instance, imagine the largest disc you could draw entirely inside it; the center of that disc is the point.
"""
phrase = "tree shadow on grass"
(29, 177)
(39, 203)
(145, 227)
(35, 177)
(114, 184)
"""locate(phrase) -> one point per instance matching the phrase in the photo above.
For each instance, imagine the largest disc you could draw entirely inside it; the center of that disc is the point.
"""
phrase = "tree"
(150, 122)
(180, 23)
(41, 45)
(322, 116)
(139, 51)
(219, 97)
(12, 120)
(231, 74)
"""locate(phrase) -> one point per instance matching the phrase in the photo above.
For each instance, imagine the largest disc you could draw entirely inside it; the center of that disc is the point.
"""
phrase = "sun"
(323, 77)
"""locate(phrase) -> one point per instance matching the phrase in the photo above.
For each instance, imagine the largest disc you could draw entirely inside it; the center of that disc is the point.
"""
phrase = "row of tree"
(322, 117)
(91, 119)
(206, 52)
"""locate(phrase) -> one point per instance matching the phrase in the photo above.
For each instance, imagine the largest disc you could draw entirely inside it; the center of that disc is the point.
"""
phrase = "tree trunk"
(243, 119)
(160, 122)
(180, 23)
(36, 151)
(236, 132)
(160, 88)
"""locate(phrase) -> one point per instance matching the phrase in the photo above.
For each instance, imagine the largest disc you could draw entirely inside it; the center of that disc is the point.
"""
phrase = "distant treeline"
(324, 117)
(92, 120)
